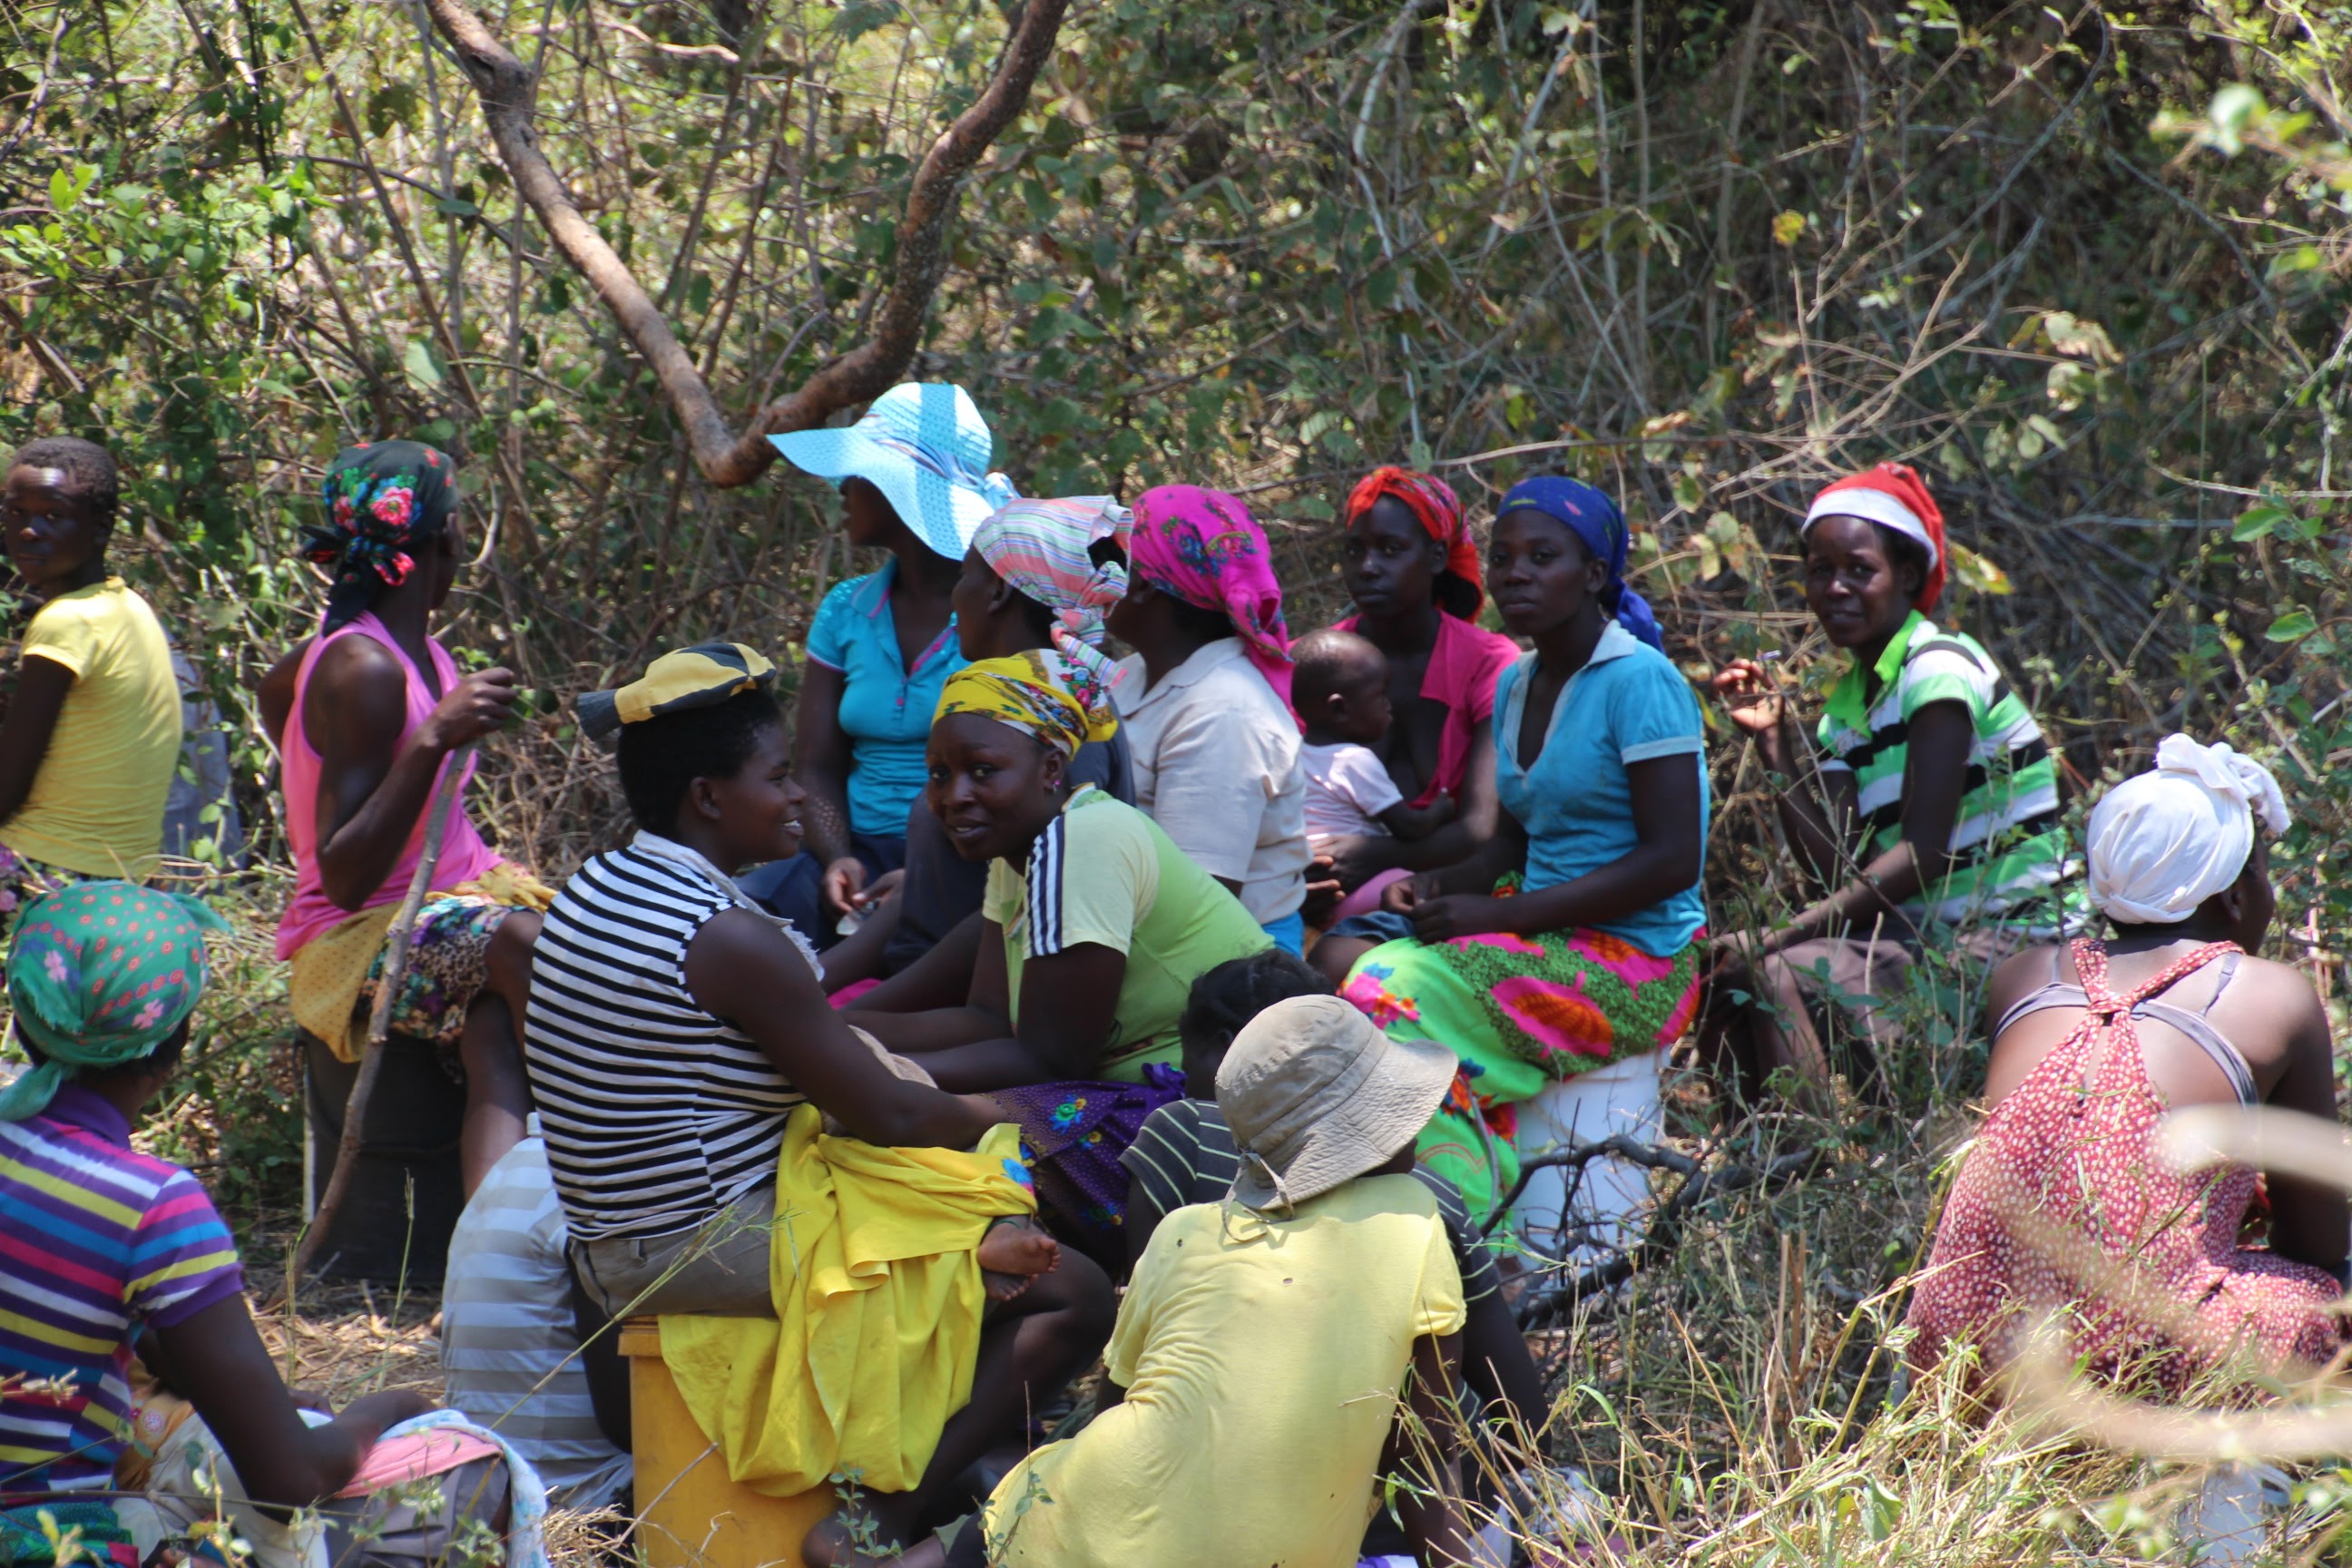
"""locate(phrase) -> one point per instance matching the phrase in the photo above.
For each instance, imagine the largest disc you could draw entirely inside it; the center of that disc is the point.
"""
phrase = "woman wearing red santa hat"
(1928, 805)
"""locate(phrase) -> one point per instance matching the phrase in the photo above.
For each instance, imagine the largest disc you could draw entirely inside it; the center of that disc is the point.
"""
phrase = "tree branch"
(509, 91)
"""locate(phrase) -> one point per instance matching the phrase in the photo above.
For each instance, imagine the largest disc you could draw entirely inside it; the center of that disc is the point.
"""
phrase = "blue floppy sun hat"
(925, 447)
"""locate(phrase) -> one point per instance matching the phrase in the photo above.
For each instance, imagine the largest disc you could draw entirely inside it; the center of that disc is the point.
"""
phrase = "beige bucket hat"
(1316, 1096)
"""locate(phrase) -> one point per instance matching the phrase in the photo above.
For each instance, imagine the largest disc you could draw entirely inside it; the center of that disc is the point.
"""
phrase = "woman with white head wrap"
(2163, 843)
(2097, 1042)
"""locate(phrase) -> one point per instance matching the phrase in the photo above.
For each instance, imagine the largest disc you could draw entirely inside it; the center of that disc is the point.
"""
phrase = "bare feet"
(1015, 1250)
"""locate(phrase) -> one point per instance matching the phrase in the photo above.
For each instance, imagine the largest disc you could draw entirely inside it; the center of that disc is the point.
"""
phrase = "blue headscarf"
(1594, 519)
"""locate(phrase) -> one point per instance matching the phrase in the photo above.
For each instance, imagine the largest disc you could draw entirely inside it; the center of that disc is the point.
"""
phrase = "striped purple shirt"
(95, 1238)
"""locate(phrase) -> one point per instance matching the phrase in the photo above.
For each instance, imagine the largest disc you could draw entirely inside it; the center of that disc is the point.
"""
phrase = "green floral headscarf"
(100, 974)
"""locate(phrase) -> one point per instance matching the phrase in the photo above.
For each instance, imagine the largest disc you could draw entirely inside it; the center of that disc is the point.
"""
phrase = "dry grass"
(343, 1338)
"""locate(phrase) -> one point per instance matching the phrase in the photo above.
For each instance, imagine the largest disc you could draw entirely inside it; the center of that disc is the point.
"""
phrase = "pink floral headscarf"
(1203, 547)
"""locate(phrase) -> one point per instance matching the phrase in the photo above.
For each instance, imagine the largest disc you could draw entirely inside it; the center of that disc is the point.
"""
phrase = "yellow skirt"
(878, 1302)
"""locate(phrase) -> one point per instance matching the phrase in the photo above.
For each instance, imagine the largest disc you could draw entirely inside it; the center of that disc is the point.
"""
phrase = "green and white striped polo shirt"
(2010, 853)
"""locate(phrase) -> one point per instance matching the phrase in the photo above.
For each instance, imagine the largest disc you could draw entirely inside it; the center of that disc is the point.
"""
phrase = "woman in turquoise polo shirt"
(1571, 941)
(915, 482)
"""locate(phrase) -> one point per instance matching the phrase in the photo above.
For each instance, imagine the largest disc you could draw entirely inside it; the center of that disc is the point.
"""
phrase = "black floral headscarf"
(383, 500)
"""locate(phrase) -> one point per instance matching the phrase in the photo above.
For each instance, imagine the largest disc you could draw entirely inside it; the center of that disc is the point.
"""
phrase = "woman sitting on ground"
(367, 715)
(1039, 574)
(103, 1248)
(1563, 957)
(915, 480)
(676, 1028)
(1204, 699)
(1279, 1353)
(1412, 569)
(1185, 1154)
(2098, 1041)
(1096, 927)
(1935, 821)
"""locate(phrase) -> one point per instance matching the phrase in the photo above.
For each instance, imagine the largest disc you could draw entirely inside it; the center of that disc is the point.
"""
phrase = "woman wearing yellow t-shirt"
(92, 738)
(1270, 1343)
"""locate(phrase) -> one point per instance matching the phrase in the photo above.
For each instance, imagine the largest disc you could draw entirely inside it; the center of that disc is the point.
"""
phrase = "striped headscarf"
(1040, 547)
(1433, 501)
(100, 974)
(1039, 692)
(1203, 547)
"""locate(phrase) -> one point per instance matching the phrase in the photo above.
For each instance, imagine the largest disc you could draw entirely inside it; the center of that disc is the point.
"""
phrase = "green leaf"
(2258, 521)
(418, 362)
(1979, 572)
(2292, 627)
(2234, 108)
(859, 17)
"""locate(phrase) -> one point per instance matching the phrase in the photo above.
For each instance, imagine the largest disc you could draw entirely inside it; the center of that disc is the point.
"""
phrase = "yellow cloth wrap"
(878, 1302)
(1061, 703)
(330, 970)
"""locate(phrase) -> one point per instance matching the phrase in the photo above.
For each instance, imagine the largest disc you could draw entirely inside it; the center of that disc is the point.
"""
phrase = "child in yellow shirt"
(92, 736)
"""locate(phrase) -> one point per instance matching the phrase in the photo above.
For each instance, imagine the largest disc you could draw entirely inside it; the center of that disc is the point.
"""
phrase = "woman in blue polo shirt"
(915, 482)
(1566, 950)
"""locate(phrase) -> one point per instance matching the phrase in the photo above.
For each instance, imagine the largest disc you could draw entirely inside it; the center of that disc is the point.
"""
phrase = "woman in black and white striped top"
(674, 1026)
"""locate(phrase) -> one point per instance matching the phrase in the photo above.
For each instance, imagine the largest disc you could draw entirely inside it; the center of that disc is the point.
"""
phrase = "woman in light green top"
(1934, 826)
(1095, 926)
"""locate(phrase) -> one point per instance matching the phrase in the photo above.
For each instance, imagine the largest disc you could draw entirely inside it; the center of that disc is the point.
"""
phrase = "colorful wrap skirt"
(1520, 1012)
(1072, 1135)
(332, 985)
(24, 879)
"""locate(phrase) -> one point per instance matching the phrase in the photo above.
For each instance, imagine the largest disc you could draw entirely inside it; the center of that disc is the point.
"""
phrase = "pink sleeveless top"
(464, 854)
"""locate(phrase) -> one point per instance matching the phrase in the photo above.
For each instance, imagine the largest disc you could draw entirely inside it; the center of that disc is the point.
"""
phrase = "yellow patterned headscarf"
(1059, 701)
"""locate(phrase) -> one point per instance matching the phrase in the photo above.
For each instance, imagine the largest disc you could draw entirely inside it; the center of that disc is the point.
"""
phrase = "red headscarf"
(1433, 501)
(1891, 496)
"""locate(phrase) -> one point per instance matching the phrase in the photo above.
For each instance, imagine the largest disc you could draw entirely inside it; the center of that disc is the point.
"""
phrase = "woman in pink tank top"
(367, 715)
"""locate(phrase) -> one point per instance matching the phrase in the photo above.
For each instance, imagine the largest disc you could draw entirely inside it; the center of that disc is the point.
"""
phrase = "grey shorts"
(719, 1268)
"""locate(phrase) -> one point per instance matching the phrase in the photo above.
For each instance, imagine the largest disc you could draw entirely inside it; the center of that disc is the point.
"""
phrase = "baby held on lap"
(1340, 686)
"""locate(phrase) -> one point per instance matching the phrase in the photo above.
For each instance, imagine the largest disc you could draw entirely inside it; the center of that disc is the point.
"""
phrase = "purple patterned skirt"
(1071, 1134)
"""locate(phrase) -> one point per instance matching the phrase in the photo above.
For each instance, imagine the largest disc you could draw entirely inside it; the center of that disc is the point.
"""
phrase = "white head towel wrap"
(2165, 842)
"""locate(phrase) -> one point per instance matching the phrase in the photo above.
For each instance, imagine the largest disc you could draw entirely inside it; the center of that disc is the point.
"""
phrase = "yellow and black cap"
(703, 675)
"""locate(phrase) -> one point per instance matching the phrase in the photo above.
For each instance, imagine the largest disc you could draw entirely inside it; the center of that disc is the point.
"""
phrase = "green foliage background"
(1704, 255)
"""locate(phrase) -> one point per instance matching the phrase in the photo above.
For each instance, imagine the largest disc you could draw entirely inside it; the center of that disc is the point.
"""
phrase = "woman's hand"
(845, 885)
(1323, 892)
(1459, 914)
(1752, 697)
(1407, 894)
(1357, 857)
(1739, 949)
(477, 706)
